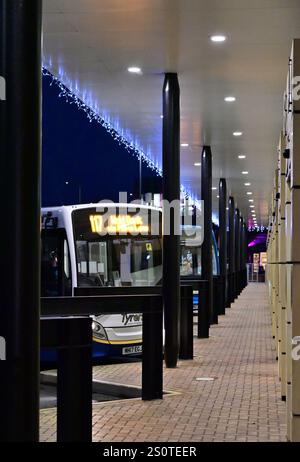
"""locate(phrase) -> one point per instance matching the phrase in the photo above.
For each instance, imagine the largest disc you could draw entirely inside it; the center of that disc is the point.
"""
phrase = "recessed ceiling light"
(249, 193)
(245, 173)
(134, 70)
(247, 184)
(218, 38)
(184, 145)
(242, 157)
(161, 116)
(218, 197)
(251, 200)
(214, 188)
(230, 99)
(237, 133)
(197, 164)
(252, 206)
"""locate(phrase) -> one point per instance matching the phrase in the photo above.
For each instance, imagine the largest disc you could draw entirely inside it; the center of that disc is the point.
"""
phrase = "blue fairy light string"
(72, 98)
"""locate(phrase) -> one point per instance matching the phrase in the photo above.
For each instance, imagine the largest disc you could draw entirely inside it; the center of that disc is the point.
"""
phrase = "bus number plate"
(132, 350)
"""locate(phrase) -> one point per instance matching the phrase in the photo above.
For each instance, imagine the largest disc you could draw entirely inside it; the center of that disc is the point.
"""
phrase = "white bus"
(77, 251)
(110, 245)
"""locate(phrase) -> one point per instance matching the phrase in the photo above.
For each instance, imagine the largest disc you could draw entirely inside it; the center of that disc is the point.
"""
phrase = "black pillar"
(20, 212)
(171, 192)
(206, 251)
(237, 251)
(245, 252)
(242, 252)
(231, 260)
(223, 242)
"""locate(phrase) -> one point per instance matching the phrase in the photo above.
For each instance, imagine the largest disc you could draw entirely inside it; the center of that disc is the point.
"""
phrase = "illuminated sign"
(118, 224)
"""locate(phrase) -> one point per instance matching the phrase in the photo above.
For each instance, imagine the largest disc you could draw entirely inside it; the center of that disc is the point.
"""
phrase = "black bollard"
(186, 350)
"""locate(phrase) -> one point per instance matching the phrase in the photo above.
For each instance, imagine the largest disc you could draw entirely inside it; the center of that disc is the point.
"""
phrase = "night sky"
(84, 155)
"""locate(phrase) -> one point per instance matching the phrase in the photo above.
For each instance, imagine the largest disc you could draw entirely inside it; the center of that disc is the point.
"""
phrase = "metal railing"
(203, 317)
(66, 325)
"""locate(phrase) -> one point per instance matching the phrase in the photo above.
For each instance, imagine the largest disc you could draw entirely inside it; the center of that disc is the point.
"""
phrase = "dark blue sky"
(83, 154)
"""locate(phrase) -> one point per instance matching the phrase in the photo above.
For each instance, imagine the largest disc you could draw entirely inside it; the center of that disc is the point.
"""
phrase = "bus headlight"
(98, 331)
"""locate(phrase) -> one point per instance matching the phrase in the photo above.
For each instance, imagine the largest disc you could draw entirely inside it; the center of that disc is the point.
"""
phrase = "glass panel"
(66, 260)
(190, 264)
(214, 261)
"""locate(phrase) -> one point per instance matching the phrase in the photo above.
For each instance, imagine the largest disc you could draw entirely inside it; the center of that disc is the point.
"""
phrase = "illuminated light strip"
(73, 98)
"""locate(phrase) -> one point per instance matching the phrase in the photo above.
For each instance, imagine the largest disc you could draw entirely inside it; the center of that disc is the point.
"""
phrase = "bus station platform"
(230, 392)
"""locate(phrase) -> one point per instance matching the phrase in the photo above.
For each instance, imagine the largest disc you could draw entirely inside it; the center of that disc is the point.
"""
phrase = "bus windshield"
(115, 260)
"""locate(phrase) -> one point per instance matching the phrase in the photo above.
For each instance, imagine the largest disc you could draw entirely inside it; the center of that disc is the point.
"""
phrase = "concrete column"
(292, 154)
(282, 270)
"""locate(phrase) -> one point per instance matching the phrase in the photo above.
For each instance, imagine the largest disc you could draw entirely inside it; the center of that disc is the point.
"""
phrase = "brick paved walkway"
(242, 403)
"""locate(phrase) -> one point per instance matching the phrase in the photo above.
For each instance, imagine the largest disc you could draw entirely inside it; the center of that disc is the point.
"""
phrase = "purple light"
(260, 239)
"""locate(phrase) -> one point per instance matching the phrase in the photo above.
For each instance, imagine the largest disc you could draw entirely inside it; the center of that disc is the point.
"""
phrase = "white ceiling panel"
(91, 43)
